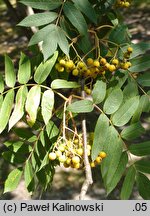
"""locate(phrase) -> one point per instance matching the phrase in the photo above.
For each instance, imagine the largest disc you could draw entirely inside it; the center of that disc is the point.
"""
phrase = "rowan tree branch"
(88, 174)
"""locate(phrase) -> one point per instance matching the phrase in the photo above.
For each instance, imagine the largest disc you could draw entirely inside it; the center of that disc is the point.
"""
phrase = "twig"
(88, 174)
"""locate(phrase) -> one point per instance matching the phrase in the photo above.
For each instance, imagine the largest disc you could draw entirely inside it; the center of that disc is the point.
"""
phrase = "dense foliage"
(87, 69)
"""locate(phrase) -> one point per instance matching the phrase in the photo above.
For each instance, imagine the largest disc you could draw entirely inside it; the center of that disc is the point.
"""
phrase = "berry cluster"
(123, 3)
(70, 153)
(94, 67)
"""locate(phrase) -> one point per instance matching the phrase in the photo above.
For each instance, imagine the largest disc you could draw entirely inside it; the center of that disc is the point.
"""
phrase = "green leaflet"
(10, 76)
(32, 103)
(143, 184)
(13, 180)
(44, 69)
(82, 106)
(100, 135)
(24, 71)
(6, 109)
(128, 183)
(143, 166)
(140, 64)
(113, 101)
(86, 8)
(29, 176)
(125, 112)
(47, 105)
(144, 106)
(140, 149)
(1, 83)
(75, 17)
(99, 92)
(133, 131)
(113, 147)
(18, 111)
(118, 172)
(144, 79)
(39, 19)
(59, 83)
(43, 4)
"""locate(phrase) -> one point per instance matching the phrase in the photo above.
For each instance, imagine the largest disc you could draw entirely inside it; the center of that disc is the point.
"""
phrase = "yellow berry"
(60, 69)
(103, 61)
(92, 164)
(62, 62)
(88, 91)
(62, 158)
(76, 166)
(89, 61)
(61, 148)
(68, 161)
(98, 160)
(126, 4)
(58, 153)
(52, 156)
(75, 72)
(75, 159)
(69, 64)
(79, 151)
(81, 64)
(115, 61)
(130, 49)
(96, 63)
(102, 154)
(107, 65)
(111, 68)
(66, 165)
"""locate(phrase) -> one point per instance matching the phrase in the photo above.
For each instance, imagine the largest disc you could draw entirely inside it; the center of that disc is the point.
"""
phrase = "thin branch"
(88, 173)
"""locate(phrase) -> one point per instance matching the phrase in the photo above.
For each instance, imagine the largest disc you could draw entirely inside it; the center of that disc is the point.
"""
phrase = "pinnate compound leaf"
(133, 131)
(99, 92)
(128, 183)
(1, 83)
(75, 17)
(6, 109)
(44, 69)
(118, 172)
(140, 149)
(100, 135)
(82, 106)
(47, 105)
(143, 184)
(18, 111)
(59, 83)
(113, 101)
(13, 180)
(43, 4)
(32, 103)
(38, 19)
(125, 112)
(86, 8)
(10, 76)
(24, 71)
